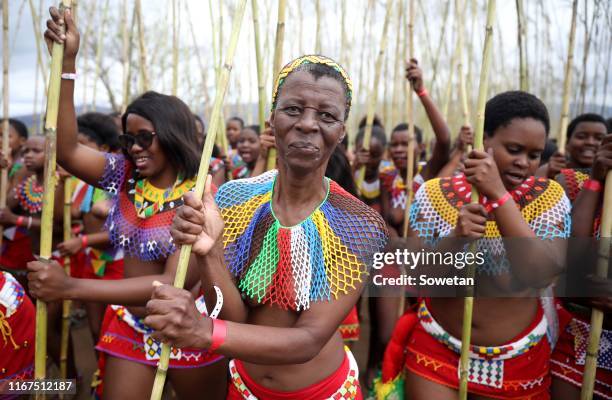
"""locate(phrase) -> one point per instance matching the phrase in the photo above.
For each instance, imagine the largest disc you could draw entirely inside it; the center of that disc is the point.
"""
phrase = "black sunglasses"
(144, 140)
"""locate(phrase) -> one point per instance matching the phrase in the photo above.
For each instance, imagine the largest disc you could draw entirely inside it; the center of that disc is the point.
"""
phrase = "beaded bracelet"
(218, 335)
(492, 205)
(593, 185)
(422, 92)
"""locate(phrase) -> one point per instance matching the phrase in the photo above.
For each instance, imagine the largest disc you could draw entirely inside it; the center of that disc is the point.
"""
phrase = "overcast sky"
(157, 17)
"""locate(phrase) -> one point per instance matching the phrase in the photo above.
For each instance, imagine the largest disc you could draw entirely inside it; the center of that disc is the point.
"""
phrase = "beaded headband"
(311, 59)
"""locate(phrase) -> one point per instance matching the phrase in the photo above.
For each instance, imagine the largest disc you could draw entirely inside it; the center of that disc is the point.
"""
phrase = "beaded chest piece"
(319, 259)
(574, 179)
(542, 203)
(29, 193)
(139, 224)
(393, 182)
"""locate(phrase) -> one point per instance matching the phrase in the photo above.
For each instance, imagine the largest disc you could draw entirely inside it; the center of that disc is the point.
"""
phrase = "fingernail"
(157, 283)
(63, 37)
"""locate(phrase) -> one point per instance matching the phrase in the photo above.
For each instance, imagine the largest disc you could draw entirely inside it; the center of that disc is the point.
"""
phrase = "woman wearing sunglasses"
(147, 181)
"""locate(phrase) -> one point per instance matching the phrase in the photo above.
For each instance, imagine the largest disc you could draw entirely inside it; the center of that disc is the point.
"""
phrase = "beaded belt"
(486, 363)
(348, 390)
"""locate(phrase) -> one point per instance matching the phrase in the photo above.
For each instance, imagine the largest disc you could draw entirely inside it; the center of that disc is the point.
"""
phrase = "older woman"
(294, 253)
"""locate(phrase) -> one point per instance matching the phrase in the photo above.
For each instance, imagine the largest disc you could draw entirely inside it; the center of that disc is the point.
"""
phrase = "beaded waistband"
(503, 352)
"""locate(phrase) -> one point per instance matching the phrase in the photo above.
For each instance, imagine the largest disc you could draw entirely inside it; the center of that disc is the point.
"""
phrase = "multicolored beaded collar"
(319, 259)
(29, 193)
(147, 239)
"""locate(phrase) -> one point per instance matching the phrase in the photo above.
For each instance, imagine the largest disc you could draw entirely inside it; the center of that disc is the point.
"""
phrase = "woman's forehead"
(302, 83)
(35, 141)
(137, 120)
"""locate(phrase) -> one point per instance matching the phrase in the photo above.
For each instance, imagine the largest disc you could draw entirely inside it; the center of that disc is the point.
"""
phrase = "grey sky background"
(547, 47)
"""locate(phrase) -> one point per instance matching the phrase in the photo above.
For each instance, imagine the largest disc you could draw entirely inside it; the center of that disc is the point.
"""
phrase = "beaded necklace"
(318, 259)
(29, 193)
(149, 200)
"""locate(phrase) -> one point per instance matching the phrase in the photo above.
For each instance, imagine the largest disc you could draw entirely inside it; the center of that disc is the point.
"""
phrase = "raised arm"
(441, 150)
(464, 139)
(81, 161)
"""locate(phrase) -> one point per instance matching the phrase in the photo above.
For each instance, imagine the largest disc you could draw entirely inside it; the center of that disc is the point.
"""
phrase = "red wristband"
(84, 241)
(493, 204)
(218, 335)
(19, 221)
(422, 92)
(593, 185)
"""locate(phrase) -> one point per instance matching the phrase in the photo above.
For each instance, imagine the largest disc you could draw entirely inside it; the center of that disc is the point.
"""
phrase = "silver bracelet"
(69, 76)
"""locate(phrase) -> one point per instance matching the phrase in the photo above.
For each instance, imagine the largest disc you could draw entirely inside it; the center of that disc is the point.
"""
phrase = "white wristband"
(69, 76)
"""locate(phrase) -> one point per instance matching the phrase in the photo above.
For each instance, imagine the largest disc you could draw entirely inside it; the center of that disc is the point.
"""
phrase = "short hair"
(378, 132)
(237, 119)
(175, 128)
(549, 149)
(587, 117)
(609, 125)
(19, 127)
(418, 133)
(100, 128)
(254, 128)
(375, 122)
(501, 109)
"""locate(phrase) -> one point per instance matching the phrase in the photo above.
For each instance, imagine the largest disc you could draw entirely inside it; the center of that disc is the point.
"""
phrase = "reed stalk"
(606, 71)
(99, 47)
(436, 60)
(597, 316)
(318, 27)
(261, 93)
(38, 36)
(144, 76)
(198, 54)
(125, 56)
(46, 219)
(465, 109)
(66, 304)
(397, 78)
(411, 142)
(588, 33)
(85, 48)
(181, 272)
(468, 307)
(174, 48)
(369, 10)
(567, 81)
(277, 65)
(522, 45)
(373, 94)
